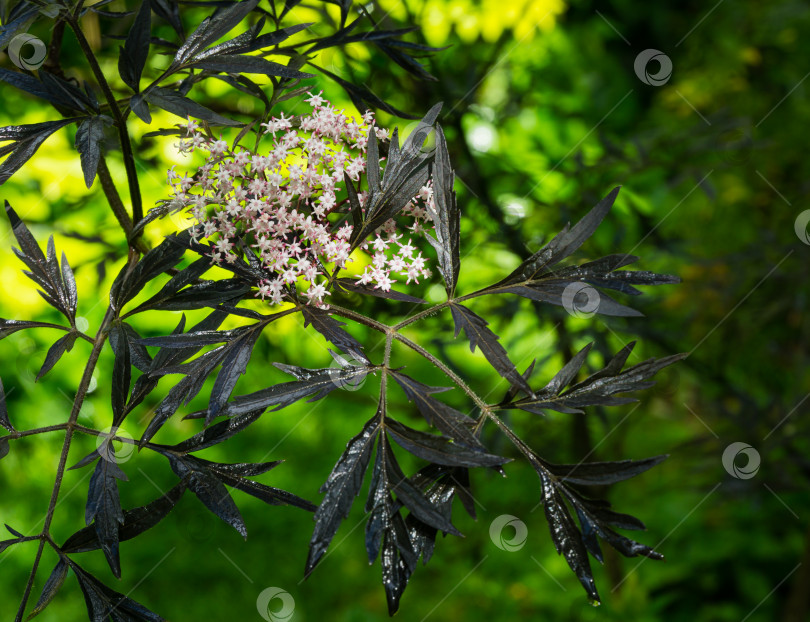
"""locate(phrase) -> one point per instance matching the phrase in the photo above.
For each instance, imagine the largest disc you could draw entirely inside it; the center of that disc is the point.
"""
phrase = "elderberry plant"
(289, 217)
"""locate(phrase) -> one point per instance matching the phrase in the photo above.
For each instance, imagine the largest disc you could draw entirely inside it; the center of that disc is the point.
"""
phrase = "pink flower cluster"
(288, 205)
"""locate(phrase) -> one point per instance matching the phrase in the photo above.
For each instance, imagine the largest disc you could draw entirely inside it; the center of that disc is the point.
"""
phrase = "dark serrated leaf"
(9, 327)
(89, 138)
(212, 28)
(479, 335)
(104, 604)
(439, 449)
(130, 281)
(136, 521)
(4, 420)
(121, 373)
(133, 55)
(216, 433)
(51, 587)
(234, 365)
(180, 105)
(363, 98)
(331, 329)
(4, 448)
(241, 63)
(564, 244)
(448, 420)
(566, 537)
(104, 507)
(340, 489)
(31, 85)
(209, 490)
(353, 286)
(602, 473)
(138, 105)
(55, 352)
(598, 389)
(445, 216)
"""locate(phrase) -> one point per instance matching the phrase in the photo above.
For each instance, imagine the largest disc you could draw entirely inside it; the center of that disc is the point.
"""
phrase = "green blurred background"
(544, 114)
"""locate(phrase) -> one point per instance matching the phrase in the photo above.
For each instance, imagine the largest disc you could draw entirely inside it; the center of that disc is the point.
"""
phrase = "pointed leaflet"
(130, 281)
(28, 139)
(133, 55)
(387, 530)
(448, 420)
(209, 490)
(4, 420)
(445, 216)
(439, 449)
(318, 383)
(602, 473)
(598, 389)
(104, 604)
(234, 365)
(55, 352)
(180, 105)
(136, 521)
(89, 137)
(245, 63)
(9, 327)
(122, 371)
(216, 433)
(212, 28)
(564, 244)
(353, 286)
(57, 283)
(330, 328)
(566, 537)
(51, 587)
(478, 334)
(340, 489)
(104, 505)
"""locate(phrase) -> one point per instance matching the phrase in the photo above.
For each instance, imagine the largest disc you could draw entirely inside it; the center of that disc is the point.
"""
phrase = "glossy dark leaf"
(448, 420)
(352, 286)
(51, 587)
(479, 334)
(234, 365)
(130, 282)
(445, 216)
(439, 449)
(9, 327)
(239, 63)
(122, 373)
(209, 490)
(212, 28)
(136, 521)
(564, 244)
(104, 604)
(340, 489)
(104, 507)
(133, 55)
(566, 537)
(602, 473)
(55, 352)
(89, 137)
(4, 420)
(4, 448)
(217, 433)
(331, 329)
(363, 98)
(57, 283)
(138, 105)
(180, 105)
(31, 85)
(169, 11)
(268, 494)
(598, 389)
